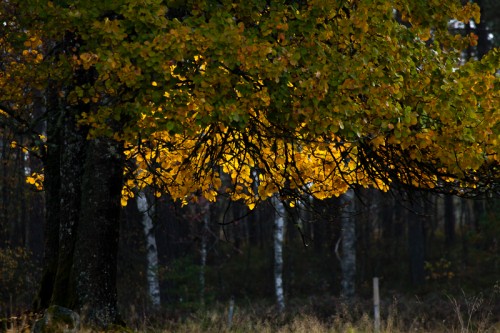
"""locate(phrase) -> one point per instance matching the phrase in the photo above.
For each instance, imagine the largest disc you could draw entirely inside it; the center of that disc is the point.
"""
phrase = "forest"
(249, 166)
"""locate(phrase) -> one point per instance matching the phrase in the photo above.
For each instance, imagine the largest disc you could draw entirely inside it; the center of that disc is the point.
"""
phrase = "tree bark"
(52, 186)
(205, 207)
(147, 211)
(98, 230)
(482, 32)
(416, 248)
(279, 234)
(318, 229)
(348, 262)
(449, 221)
(71, 173)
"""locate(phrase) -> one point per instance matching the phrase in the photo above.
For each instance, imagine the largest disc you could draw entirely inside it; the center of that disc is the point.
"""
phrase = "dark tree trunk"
(4, 191)
(96, 246)
(52, 185)
(72, 155)
(449, 221)
(318, 229)
(253, 227)
(416, 248)
(483, 44)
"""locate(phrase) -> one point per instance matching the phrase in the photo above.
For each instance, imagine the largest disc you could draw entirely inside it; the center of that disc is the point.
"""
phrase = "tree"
(147, 212)
(316, 96)
(416, 239)
(278, 239)
(449, 221)
(348, 239)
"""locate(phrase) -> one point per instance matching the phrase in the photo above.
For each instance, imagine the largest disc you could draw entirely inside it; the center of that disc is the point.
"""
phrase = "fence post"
(376, 304)
(230, 313)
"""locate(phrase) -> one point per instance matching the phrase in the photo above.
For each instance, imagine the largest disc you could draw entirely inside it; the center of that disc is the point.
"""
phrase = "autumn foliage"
(307, 97)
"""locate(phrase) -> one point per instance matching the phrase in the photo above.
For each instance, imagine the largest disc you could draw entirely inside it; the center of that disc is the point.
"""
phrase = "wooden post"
(376, 305)
(230, 313)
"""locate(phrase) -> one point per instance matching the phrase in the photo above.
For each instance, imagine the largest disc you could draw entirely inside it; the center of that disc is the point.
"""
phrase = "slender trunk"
(464, 231)
(479, 210)
(483, 44)
(52, 186)
(279, 233)
(4, 235)
(348, 262)
(98, 230)
(449, 221)
(203, 248)
(152, 252)
(318, 228)
(16, 227)
(416, 248)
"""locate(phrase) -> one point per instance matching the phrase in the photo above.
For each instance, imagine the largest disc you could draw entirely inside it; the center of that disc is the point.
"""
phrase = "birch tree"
(279, 236)
(147, 212)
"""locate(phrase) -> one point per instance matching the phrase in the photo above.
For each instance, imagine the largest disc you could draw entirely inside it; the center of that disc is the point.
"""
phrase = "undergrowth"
(433, 313)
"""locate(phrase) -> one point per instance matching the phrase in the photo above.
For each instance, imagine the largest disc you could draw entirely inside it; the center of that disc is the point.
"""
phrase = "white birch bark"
(152, 251)
(348, 257)
(279, 234)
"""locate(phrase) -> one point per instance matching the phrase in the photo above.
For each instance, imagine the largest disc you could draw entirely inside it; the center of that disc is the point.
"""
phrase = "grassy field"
(432, 313)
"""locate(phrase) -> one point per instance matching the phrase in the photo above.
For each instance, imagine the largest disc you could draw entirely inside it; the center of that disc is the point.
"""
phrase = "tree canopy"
(282, 96)
(321, 93)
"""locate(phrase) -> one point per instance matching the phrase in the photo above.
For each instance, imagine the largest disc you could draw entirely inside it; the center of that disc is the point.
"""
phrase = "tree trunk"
(151, 249)
(279, 233)
(205, 215)
(416, 248)
(348, 262)
(52, 186)
(449, 221)
(98, 230)
(71, 172)
(318, 228)
(483, 44)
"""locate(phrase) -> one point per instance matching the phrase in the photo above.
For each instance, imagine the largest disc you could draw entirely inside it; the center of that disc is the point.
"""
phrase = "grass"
(432, 313)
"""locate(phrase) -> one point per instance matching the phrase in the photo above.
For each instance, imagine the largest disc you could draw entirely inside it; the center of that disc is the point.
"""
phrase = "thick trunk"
(98, 229)
(151, 250)
(348, 262)
(72, 153)
(279, 234)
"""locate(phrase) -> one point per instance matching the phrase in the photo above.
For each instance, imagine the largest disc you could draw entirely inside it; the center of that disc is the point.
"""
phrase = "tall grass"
(432, 313)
